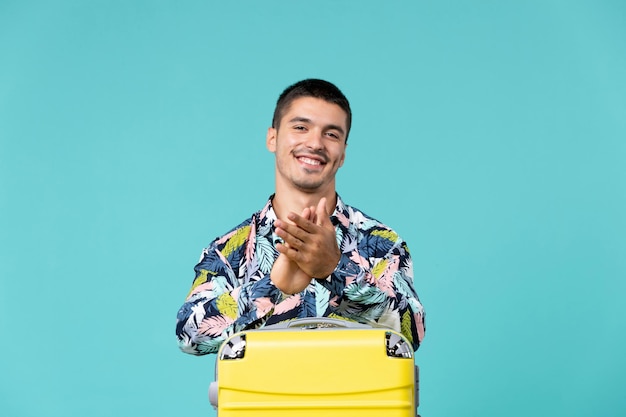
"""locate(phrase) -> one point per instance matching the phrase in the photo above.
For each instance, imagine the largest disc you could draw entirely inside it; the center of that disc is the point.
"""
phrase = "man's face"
(309, 145)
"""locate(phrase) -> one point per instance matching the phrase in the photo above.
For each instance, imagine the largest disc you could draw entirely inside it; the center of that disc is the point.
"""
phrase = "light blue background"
(490, 134)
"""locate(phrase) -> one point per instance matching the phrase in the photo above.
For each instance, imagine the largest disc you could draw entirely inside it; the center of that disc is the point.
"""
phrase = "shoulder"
(363, 221)
(372, 238)
(238, 235)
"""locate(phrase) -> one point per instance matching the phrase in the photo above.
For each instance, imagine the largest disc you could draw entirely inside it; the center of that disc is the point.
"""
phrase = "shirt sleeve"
(379, 288)
(219, 304)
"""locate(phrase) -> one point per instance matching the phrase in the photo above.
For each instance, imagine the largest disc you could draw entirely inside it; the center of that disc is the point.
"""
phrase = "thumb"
(307, 213)
(321, 213)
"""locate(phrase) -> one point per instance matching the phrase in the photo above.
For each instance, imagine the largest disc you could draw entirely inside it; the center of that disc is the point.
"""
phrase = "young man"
(305, 253)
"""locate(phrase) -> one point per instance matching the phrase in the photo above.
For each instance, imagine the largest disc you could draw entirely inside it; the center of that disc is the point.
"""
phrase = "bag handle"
(317, 323)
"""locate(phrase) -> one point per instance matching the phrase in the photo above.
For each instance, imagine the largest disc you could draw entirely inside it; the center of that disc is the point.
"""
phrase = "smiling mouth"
(310, 161)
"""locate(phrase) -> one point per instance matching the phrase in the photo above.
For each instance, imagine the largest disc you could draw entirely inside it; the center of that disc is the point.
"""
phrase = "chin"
(308, 185)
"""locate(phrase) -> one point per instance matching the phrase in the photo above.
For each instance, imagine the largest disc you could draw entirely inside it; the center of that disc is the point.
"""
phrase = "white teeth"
(310, 161)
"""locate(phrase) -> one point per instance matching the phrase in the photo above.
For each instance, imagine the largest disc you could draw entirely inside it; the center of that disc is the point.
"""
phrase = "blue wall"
(490, 134)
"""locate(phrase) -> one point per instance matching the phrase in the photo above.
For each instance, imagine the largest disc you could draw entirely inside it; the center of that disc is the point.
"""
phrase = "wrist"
(289, 278)
(325, 274)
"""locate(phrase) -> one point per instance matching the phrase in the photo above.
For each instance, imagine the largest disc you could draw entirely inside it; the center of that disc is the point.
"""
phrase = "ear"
(270, 139)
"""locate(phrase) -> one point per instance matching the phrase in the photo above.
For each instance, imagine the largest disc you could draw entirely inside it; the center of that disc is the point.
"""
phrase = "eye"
(332, 135)
(299, 127)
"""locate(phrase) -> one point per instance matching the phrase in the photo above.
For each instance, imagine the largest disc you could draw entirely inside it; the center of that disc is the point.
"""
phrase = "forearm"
(207, 318)
(288, 277)
(219, 304)
(382, 293)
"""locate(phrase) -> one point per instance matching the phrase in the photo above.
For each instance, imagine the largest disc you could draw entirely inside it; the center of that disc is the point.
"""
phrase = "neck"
(286, 202)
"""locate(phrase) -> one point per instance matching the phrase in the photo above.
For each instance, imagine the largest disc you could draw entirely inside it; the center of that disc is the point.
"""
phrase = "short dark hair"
(312, 88)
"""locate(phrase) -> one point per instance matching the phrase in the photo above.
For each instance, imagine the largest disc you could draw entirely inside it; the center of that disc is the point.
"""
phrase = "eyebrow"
(307, 120)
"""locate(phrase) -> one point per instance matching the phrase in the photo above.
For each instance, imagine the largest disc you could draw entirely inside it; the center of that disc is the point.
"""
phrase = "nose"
(314, 140)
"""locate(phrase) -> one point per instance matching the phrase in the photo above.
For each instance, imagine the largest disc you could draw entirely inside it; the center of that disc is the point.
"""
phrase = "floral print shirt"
(232, 290)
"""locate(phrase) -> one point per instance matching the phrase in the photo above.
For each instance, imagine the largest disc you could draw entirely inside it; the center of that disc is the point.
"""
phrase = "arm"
(310, 241)
(378, 277)
(288, 277)
(221, 303)
(218, 305)
(371, 277)
(309, 249)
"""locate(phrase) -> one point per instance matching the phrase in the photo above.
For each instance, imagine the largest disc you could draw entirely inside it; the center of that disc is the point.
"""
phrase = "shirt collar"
(267, 213)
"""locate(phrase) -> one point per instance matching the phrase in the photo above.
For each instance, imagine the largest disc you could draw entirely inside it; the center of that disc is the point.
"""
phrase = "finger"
(292, 235)
(320, 212)
(288, 251)
(303, 223)
(313, 218)
(291, 227)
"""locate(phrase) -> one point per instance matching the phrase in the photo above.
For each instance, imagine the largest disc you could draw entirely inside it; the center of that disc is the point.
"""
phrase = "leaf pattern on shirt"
(206, 346)
(201, 278)
(232, 289)
(227, 305)
(214, 325)
(406, 326)
(322, 298)
(390, 235)
(207, 286)
(364, 294)
(290, 303)
(379, 268)
(266, 254)
(236, 241)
